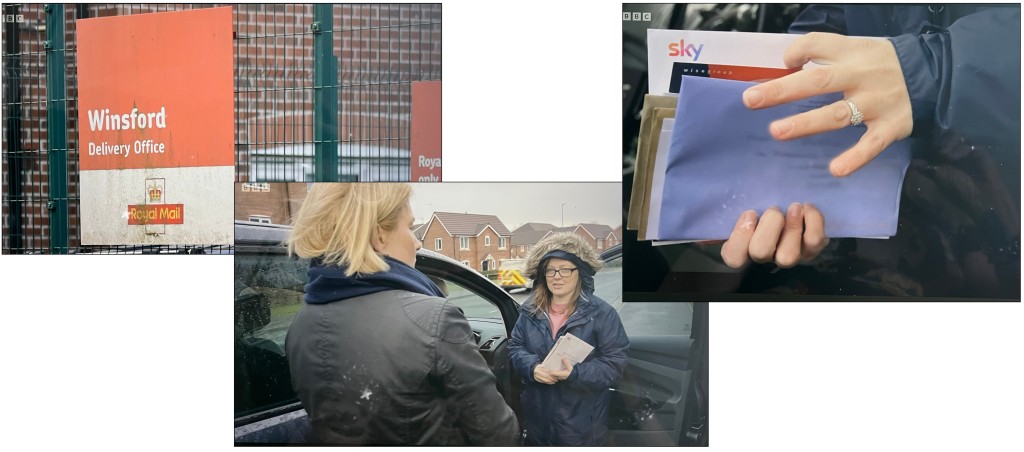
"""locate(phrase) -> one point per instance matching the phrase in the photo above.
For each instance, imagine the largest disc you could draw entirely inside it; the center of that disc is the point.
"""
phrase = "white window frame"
(464, 243)
(600, 244)
(487, 240)
(501, 243)
(437, 244)
(261, 219)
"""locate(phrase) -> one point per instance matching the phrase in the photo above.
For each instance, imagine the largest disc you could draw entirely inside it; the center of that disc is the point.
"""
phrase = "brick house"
(599, 236)
(478, 241)
(269, 203)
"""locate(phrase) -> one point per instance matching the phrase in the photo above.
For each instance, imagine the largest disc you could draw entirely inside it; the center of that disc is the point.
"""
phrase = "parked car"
(649, 404)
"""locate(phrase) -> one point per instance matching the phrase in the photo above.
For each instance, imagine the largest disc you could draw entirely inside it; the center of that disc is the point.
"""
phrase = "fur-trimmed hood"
(564, 241)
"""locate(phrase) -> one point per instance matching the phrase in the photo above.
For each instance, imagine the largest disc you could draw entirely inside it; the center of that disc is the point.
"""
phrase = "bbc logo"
(9, 18)
(637, 17)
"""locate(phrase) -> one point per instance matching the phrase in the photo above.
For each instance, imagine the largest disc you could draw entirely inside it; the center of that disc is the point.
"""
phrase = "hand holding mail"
(866, 71)
(561, 375)
(542, 375)
(797, 236)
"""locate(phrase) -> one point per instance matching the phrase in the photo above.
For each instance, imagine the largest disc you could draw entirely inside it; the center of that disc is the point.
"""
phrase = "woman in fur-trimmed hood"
(566, 403)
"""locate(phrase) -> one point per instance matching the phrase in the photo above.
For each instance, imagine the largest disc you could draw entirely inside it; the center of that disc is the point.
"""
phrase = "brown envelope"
(641, 175)
(660, 114)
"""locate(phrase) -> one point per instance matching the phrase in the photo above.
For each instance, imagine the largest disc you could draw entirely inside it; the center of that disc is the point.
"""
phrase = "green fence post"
(325, 96)
(56, 128)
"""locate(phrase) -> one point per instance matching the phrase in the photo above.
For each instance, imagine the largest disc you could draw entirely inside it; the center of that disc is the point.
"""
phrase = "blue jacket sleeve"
(966, 79)
(611, 356)
(522, 360)
(824, 18)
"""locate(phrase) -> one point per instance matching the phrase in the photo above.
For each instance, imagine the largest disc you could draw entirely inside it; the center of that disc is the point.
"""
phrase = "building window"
(437, 244)
(256, 187)
(260, 219)
(464, 243)
(501, 243)
(600, 244)
(466, 263)
(487, 240)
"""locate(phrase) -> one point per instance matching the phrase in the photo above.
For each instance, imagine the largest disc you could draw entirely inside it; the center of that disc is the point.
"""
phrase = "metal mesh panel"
(380, 49)
(25, 219)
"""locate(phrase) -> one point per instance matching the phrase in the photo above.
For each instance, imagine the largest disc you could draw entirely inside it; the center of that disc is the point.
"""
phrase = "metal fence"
(322, 93)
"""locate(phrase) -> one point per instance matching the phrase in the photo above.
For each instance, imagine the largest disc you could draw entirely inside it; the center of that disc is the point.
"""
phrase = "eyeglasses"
(563, 272)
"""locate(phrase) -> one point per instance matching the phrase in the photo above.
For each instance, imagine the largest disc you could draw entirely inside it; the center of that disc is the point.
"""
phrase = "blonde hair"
(338, 223)
(542, 295)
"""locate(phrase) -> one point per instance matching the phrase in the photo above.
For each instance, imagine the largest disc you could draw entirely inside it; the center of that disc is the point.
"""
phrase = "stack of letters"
(704, 158)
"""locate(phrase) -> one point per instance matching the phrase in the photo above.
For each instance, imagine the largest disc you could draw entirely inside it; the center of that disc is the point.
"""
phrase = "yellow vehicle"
(510, 274)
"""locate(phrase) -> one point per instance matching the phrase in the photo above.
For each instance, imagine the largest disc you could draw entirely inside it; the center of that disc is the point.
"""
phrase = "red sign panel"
(426, 132)
(156, 90)
(156, 214)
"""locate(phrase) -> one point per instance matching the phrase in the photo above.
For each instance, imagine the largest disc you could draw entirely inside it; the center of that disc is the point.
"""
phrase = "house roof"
(468, 224)
(533, 227)
(527, 237)
(599, 231)
(418, 231)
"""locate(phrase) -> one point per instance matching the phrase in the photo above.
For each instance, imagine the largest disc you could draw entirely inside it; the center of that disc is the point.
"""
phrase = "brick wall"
(449, 245)
(381, 49)
(279, 202)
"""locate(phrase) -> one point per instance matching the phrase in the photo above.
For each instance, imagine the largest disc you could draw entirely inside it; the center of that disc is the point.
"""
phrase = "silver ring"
(856, 117)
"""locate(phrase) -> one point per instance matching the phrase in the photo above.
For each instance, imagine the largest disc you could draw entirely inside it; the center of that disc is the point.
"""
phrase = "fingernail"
(837, 168)
(781, 127)
(794, 210)
(752, 97)
(748, 219)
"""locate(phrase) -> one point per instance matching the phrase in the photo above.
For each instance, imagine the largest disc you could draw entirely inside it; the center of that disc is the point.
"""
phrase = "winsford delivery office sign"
(156, 122)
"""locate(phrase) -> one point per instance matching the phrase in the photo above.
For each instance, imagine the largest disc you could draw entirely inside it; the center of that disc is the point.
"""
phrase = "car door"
(656, 401)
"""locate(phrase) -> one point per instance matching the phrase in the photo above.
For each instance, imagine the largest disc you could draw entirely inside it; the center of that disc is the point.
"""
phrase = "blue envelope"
(723, 161)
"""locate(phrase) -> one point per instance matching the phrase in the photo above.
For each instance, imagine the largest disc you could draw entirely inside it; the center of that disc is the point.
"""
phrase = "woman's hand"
(797, 236)
(866, 71)
(542, 375)
(561, 375)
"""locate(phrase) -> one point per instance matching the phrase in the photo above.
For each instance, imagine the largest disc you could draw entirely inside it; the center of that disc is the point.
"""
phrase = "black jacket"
(395, 367)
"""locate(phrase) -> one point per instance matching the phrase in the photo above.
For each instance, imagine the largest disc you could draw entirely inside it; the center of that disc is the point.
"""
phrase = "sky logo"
(680, 48)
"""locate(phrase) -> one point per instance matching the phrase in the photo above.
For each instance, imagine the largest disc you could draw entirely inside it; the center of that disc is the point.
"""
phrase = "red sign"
(157, 214)
(426, 132)
(156, 90)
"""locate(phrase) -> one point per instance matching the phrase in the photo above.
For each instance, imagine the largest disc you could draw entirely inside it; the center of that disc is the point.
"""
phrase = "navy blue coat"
(573, 412)
(961, 63)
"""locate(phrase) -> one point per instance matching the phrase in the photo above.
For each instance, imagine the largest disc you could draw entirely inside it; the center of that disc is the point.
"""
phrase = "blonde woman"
(377, 355)
(566, 407)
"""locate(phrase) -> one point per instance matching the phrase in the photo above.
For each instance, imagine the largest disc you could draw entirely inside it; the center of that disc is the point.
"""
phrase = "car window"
(608, 282)
(484, 318)
(269, 290)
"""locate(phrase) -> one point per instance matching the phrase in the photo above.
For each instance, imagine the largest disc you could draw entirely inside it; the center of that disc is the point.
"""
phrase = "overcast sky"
(518, 203)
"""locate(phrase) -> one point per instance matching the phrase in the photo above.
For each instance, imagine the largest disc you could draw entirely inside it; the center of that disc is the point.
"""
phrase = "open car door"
(661, 398)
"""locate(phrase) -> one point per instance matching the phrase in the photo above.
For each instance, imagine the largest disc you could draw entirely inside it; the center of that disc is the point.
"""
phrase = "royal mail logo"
(676, 49)
(155, 211)
(155, 190)
(156, 214)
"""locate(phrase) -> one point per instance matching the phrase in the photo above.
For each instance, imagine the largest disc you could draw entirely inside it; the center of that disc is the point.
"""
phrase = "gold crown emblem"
(155, 193)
